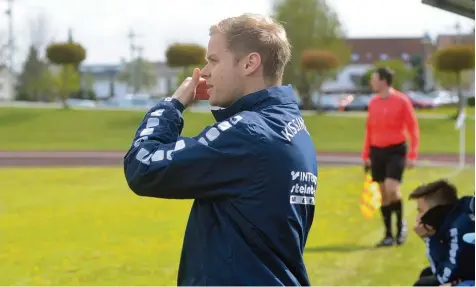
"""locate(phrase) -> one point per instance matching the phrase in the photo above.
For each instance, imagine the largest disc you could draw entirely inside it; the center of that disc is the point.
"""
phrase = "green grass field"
(82, 226)
(447, 110)
(55, 129)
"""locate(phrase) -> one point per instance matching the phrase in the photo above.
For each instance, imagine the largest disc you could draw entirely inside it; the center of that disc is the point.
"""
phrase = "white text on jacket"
(292, 128)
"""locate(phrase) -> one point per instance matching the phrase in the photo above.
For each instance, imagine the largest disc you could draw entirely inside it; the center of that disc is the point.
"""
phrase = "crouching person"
(442, 222)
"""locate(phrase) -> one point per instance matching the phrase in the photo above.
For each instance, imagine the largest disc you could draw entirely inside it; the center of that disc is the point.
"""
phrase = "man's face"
(222, 73)
(422, 208)
(421, 229)
(376, 84)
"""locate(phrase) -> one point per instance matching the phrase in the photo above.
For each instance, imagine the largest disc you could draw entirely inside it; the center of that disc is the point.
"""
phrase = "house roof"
(445, 40)
(370, 50)
(461, 7)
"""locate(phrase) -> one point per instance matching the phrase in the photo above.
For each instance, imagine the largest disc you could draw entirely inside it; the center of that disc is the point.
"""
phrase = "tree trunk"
(460, 94)
(320, 108)
(304, 90)
(318, 84)
(64, 87)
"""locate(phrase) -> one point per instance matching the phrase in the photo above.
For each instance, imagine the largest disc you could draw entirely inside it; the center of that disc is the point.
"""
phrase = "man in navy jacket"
(443, 221)
(253, 174)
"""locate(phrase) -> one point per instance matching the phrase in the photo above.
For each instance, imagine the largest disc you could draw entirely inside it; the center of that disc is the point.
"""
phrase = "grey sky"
(102, 25)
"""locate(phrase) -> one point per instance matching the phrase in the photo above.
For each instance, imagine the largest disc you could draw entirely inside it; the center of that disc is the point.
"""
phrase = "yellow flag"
(371, 199)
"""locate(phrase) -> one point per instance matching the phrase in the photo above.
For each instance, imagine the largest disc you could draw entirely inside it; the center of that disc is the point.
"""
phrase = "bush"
(65, 53)
(471, 102)
(319, 60)
(185, 55)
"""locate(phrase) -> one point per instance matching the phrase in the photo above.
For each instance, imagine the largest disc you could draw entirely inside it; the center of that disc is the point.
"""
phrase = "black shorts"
(388, 162)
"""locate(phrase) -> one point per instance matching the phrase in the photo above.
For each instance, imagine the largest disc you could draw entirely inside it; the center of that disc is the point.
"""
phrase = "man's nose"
(204, 73)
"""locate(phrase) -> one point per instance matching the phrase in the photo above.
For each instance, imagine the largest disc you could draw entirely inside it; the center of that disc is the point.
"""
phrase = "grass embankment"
(51, 129)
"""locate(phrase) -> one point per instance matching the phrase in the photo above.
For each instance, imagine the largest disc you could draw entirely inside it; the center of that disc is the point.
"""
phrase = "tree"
(365, 79)
(449, 80)
(317, 64)
(3, 49)
(35, 81)
(309, 24)
(84, 82)
(418, 72)
(68, 56)
(38, 29)
(455, 59)
(185, 55)
(142, 74)
(68, 81)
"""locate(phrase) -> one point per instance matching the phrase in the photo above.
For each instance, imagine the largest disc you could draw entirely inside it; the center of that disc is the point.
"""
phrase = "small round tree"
(185, 55)
(455, 59)
(68, 56)
(318, 64)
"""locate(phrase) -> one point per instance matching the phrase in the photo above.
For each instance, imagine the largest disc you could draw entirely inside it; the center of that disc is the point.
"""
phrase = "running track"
(114, 158)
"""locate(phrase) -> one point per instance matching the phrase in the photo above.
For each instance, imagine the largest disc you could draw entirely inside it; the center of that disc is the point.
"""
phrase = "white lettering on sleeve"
(157, 113)
(146, 132)
(143, 156)
(212, 134)
(158, 155)
(223, 126)
(152, 122)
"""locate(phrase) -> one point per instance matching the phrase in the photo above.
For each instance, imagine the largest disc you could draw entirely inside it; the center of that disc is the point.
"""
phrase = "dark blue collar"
(270, 96)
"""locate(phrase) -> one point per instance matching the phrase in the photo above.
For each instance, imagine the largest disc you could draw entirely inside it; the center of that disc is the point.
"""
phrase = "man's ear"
(251, 63)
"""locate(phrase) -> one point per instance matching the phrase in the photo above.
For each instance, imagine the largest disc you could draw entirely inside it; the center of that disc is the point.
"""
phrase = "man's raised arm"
(163, 164)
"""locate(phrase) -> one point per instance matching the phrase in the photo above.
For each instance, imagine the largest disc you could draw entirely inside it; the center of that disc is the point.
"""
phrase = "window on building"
(383, 56)
(405, 56)
(355, 57)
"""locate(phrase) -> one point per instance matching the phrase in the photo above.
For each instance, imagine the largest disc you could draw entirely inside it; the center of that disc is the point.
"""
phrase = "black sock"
(397, 208)
(387, 219)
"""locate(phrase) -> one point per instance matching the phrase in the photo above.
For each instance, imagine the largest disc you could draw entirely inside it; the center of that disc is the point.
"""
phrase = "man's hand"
(186, 92)
(367, 165)
(423, 230)
(410, 163)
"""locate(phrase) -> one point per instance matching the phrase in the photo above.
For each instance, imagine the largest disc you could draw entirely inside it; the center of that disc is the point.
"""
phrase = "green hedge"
(471, 102)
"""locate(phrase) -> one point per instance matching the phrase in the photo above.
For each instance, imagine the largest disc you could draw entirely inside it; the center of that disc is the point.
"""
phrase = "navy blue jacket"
(450, 256)
(253, 176)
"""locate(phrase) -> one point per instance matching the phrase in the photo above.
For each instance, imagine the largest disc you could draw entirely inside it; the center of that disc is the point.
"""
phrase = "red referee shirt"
(389, 122)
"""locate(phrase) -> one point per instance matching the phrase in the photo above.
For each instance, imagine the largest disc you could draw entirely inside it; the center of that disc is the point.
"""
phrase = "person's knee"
(384, 194)
(392, 189)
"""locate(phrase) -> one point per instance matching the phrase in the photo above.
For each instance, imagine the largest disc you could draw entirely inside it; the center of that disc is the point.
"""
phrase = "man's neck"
(386, 92)
(258, 85)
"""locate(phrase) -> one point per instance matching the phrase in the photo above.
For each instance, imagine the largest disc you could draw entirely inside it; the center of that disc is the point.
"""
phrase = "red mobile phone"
(201, 93)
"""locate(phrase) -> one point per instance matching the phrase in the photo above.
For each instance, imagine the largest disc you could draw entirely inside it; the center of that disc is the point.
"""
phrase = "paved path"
(114, 158)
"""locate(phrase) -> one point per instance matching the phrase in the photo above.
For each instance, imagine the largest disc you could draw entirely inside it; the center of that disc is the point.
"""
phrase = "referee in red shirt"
(391, 118)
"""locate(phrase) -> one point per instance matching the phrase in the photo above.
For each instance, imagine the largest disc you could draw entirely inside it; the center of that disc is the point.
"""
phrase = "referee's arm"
(411, 123)
(368, 132)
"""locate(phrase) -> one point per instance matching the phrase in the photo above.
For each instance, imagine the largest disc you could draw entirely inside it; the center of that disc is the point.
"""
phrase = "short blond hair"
(249, 33)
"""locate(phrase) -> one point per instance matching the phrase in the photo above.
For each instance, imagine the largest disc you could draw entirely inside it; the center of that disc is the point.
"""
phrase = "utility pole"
(137, 69)
(457, 28)
(11, 47)
(132, 48)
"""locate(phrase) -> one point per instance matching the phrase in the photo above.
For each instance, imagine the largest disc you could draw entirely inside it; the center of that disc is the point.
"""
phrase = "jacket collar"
(270, 96)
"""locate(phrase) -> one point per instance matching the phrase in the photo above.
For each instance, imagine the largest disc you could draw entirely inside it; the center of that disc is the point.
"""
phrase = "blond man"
(252, 174)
